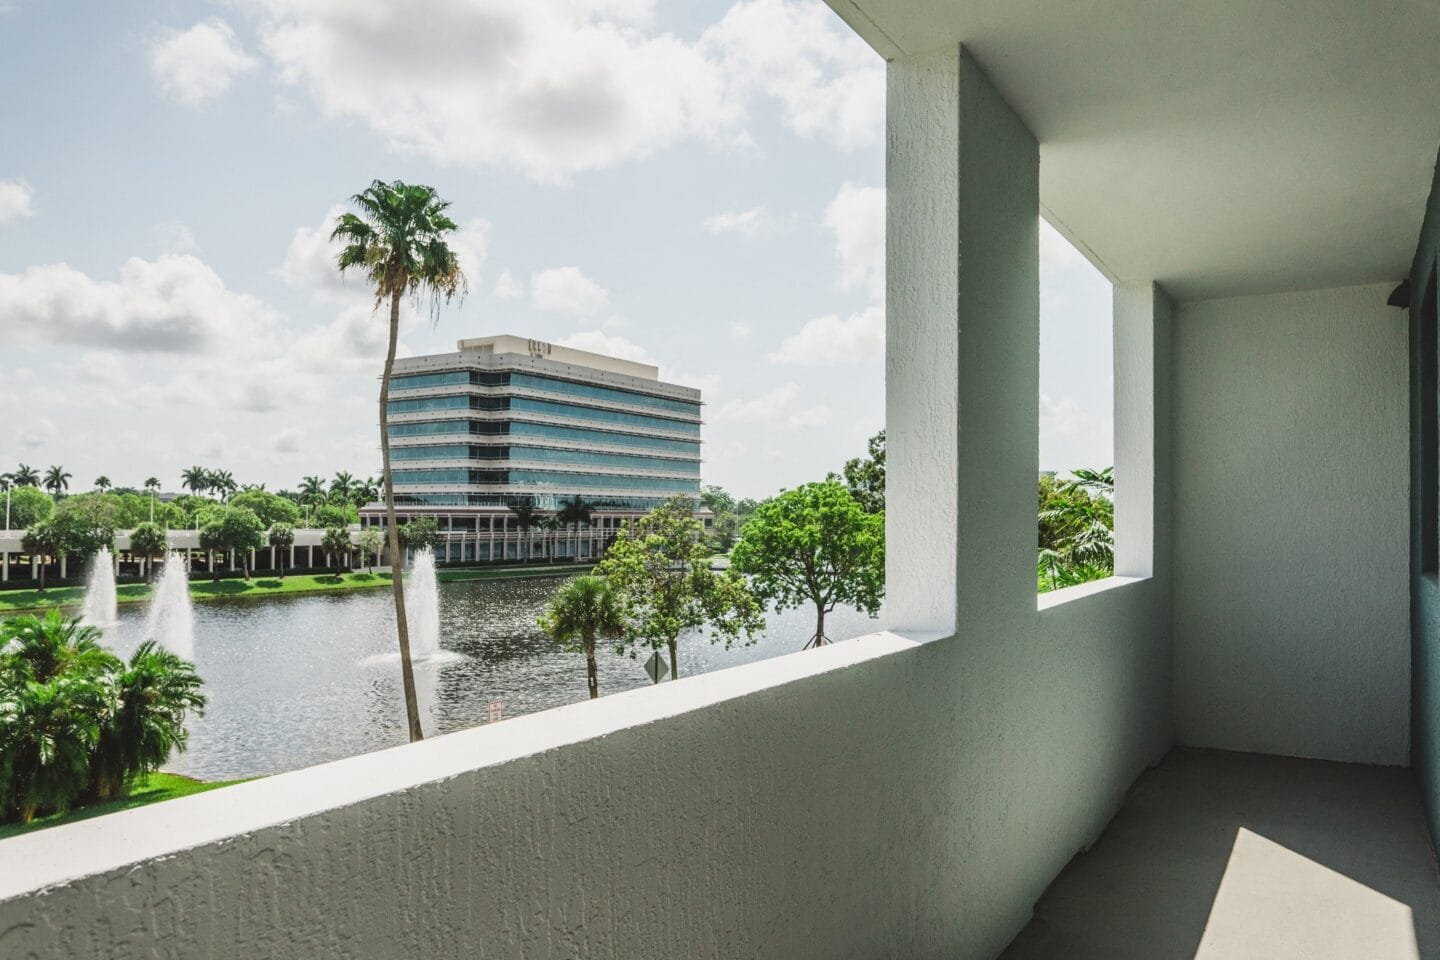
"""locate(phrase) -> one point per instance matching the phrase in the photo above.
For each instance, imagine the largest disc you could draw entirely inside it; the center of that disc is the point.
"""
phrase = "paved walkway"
(1225, 856)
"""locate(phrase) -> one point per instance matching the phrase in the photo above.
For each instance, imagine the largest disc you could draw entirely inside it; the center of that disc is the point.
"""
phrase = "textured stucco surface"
(1291, 521)
(1424, 590)
(880, 798)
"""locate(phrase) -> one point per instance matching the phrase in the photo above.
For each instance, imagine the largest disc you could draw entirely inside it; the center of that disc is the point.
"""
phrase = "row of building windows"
(488, 378)
(464, 451)
(603, 393)
(554, 478)
(450, 378)
(543, 502)
(547, 407)
(520, 428)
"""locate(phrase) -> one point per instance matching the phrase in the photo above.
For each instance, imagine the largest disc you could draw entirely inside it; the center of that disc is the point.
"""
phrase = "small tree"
(155, 692)
(212, 541)
(371, 542)
(337, 544)
(525, 519)
(43, 540)
(661, 570)
(815, 544)
(282, 538)
(582, 611)
(419, 533)
(242, 531)
(148, 541)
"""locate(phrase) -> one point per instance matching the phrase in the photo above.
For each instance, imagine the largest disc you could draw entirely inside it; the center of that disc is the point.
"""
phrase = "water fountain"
(170, 621)
(100, 608)
(422, 607)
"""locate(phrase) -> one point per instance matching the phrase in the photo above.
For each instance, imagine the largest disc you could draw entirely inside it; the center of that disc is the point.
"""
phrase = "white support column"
(231, 555)
(272, 556)
(292, 556)
(4, 566)
(310, 556)
(1143, 317)
(63, 567)
(962, 349)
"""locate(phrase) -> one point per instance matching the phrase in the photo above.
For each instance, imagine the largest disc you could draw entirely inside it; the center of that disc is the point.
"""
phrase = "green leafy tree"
(419, 533)
(337, 545)
(271, 508)
(582, 611)
(371, 541)
(814, 545)
(661, 571)
(212, 540)
(1076, 528)
(87, 522)
(233, 530)
(398, 239)
(864, 476)
(727, 519)
(28, 506)
(282, 538)
(148, 541)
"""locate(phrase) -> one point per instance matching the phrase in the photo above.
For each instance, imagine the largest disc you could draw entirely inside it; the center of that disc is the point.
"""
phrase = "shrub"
(76, 722)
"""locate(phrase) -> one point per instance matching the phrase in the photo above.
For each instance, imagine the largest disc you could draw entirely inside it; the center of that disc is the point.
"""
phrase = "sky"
(695, 184)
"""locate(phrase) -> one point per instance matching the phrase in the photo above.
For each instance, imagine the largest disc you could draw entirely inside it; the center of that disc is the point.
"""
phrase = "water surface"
(295, 681)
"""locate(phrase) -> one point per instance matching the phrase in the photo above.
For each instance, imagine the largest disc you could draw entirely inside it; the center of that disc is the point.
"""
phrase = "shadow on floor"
(1217, 856)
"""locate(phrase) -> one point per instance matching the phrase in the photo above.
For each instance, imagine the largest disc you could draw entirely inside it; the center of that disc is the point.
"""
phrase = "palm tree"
(148, 541)
(312, 491)
(525, 518)
(152, 486)
(366, 491)
(156, 691)
(343, 486)
(102, 483)
(26, 476)
(337, 544)
(575, 512)
(398, 242)
(57, 481)
(282, 537)
(222, 482)
(44, 540)
(195, 479)
(581, 611)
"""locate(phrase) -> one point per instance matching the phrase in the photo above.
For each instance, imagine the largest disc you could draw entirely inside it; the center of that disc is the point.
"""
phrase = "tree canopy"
(814, 545)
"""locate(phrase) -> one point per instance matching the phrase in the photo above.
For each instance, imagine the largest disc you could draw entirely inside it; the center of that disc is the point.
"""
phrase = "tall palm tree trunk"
(591, 673)
(407, 670)
(674, 661)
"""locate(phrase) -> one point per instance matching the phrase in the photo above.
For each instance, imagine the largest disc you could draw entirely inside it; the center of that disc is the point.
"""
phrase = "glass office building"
(506, 421)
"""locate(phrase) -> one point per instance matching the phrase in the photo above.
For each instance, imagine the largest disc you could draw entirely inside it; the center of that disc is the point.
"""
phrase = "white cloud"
(856, 217)
(608, 344)
(567, 290)
(739, 330)
(176, 238)
(829, 341)
(287, 441)
(16, 200)
(507, 287)
(552, 88)
(746, 223)
(766, 408)
(198, 64)
(809, 418)
(173, 304)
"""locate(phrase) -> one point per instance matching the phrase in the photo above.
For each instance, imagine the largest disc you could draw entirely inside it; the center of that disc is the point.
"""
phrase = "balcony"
(1229, 750)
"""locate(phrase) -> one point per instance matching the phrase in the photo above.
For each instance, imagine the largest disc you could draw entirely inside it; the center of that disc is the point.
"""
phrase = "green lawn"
(269, 586)
(150, 789)
(201, 589)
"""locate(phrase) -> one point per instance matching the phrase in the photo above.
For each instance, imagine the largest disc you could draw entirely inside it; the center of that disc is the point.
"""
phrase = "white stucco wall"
(888, 797)
(1292, 525)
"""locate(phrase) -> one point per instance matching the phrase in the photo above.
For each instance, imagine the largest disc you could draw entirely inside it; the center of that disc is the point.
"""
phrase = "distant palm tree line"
(201, 481)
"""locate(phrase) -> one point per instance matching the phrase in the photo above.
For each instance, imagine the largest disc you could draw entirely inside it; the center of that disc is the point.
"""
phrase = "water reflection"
(301, 680)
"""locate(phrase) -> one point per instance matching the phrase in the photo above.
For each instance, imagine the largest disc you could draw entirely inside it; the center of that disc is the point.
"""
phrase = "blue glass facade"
(660, 436)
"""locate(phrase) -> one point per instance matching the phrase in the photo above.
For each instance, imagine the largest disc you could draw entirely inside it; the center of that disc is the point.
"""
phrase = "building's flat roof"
(508, 343)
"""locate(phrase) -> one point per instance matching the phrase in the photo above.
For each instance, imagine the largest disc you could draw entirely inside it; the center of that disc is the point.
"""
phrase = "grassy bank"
(151, 789)
(12, 601)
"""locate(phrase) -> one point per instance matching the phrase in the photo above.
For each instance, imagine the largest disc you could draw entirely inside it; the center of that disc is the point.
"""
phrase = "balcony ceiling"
(1222, 148)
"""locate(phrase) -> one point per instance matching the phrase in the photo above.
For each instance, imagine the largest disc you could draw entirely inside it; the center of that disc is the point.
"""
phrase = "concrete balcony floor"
(1219, 856)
